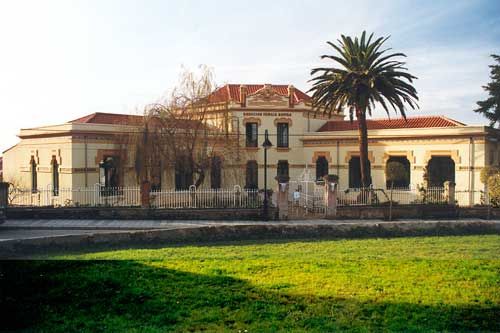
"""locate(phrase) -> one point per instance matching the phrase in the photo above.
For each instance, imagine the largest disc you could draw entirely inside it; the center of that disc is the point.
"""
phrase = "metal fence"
(308, 196)
(408, 195)
(207, 198)
(99, 196)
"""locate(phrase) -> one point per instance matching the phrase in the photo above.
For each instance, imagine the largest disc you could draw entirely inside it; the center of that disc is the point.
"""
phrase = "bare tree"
(187, 134)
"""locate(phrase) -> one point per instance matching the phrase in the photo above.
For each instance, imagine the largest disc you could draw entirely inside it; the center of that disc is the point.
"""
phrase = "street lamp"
(266, 144)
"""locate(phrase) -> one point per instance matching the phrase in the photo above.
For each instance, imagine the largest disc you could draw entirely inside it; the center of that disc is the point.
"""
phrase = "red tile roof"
(109, 118)
(373, 124)
(130, 120)
(231, 92)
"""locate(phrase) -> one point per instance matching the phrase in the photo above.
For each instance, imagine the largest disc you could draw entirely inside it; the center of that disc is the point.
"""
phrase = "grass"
(403, 284)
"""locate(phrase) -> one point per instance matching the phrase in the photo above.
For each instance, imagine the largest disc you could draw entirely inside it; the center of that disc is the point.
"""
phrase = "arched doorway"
(440, 169)
(355, 172)
(402, 183)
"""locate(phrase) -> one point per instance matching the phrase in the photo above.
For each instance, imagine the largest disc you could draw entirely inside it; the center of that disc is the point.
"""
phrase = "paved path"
(33, 228)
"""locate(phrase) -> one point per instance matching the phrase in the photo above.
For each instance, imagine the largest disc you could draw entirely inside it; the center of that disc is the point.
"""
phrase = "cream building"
(75, 154)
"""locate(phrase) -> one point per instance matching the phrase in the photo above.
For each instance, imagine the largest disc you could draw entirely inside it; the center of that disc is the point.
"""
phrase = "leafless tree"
(187, 134)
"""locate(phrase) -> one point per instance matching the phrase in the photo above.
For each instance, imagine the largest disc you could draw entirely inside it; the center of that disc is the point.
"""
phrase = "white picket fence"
(99, 196)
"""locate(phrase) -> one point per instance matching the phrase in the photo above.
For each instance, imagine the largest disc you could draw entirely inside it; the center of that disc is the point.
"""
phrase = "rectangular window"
(156, 177)
(216, 172)
(251, 134)
(109, 173)
(282, 135)
(282, 169)
(252, 175)
(34, 176)
(55, 177)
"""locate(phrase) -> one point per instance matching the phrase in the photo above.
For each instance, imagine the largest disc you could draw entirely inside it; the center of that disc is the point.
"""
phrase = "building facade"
(85, 152)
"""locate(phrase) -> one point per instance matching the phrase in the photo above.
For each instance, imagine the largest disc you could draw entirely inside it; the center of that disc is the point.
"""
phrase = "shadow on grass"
(117, 296)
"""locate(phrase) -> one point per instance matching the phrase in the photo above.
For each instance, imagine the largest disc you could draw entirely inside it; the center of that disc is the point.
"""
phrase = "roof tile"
(231, 92)
(397, 123)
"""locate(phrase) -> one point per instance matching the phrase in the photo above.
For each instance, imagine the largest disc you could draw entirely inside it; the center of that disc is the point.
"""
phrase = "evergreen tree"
(490, 107)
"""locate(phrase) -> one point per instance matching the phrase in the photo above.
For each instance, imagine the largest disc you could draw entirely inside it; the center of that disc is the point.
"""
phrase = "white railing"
(207, 198)
(403, 196)
(92, 196)
(409, 195)
(467, 198)
(99, 196)
(310, 196)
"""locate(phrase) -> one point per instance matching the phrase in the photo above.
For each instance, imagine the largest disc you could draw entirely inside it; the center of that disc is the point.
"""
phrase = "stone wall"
(223, 233)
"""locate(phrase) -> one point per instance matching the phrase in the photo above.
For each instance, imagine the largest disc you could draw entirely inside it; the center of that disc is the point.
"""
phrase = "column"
(331, 183)
(282, 197)
(449, 191)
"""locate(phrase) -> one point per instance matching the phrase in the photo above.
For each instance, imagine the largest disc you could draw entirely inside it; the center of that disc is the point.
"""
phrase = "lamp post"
(266, 144)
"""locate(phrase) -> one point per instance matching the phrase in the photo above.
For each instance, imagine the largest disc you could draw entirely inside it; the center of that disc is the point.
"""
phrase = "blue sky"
(60, 60)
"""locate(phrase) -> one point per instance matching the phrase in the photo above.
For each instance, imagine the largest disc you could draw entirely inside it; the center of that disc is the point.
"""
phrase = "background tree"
(395, 172)
(490, 107)
(364, 76)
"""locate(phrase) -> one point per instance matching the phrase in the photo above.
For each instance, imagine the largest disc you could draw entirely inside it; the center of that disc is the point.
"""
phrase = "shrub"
(395, 172)
(493, 183)
(487, 172)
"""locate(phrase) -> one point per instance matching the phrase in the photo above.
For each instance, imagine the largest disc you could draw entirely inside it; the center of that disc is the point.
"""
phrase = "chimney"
(243, 95)
(291, 95)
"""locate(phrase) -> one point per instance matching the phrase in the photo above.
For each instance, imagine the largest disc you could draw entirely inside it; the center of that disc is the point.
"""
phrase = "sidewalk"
(69, 224)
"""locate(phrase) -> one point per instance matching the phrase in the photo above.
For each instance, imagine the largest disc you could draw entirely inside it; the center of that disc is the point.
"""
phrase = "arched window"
(402, 183)
(252, 175)
(440, 169)
(55, 177)
(34, 175)
(215, 172)
(321, 167)
(355, 172)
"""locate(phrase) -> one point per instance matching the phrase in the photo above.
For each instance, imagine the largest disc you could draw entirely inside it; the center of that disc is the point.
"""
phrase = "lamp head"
(266, 144)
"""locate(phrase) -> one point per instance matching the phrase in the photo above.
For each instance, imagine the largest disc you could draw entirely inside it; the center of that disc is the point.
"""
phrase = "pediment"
(267, 97)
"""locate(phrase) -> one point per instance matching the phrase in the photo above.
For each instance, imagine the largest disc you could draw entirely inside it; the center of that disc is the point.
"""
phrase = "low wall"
(124, 213)
(417, 212)
(346, 212)
(398, 211)
(255, 232)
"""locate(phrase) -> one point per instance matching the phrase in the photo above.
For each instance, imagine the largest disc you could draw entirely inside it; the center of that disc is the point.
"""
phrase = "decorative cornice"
(283, 120)
(352, 154)
(252, 120)
(318, 154)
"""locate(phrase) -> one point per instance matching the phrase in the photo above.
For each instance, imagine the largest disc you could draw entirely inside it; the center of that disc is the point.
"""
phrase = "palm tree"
(366, 76)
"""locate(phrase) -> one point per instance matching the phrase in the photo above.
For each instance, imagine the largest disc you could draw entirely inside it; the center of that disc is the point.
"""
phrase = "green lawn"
(402, 284)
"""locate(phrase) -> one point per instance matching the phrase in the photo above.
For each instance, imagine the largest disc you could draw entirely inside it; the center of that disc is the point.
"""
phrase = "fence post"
(330, 197)
(449, 190)
(282, 196)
